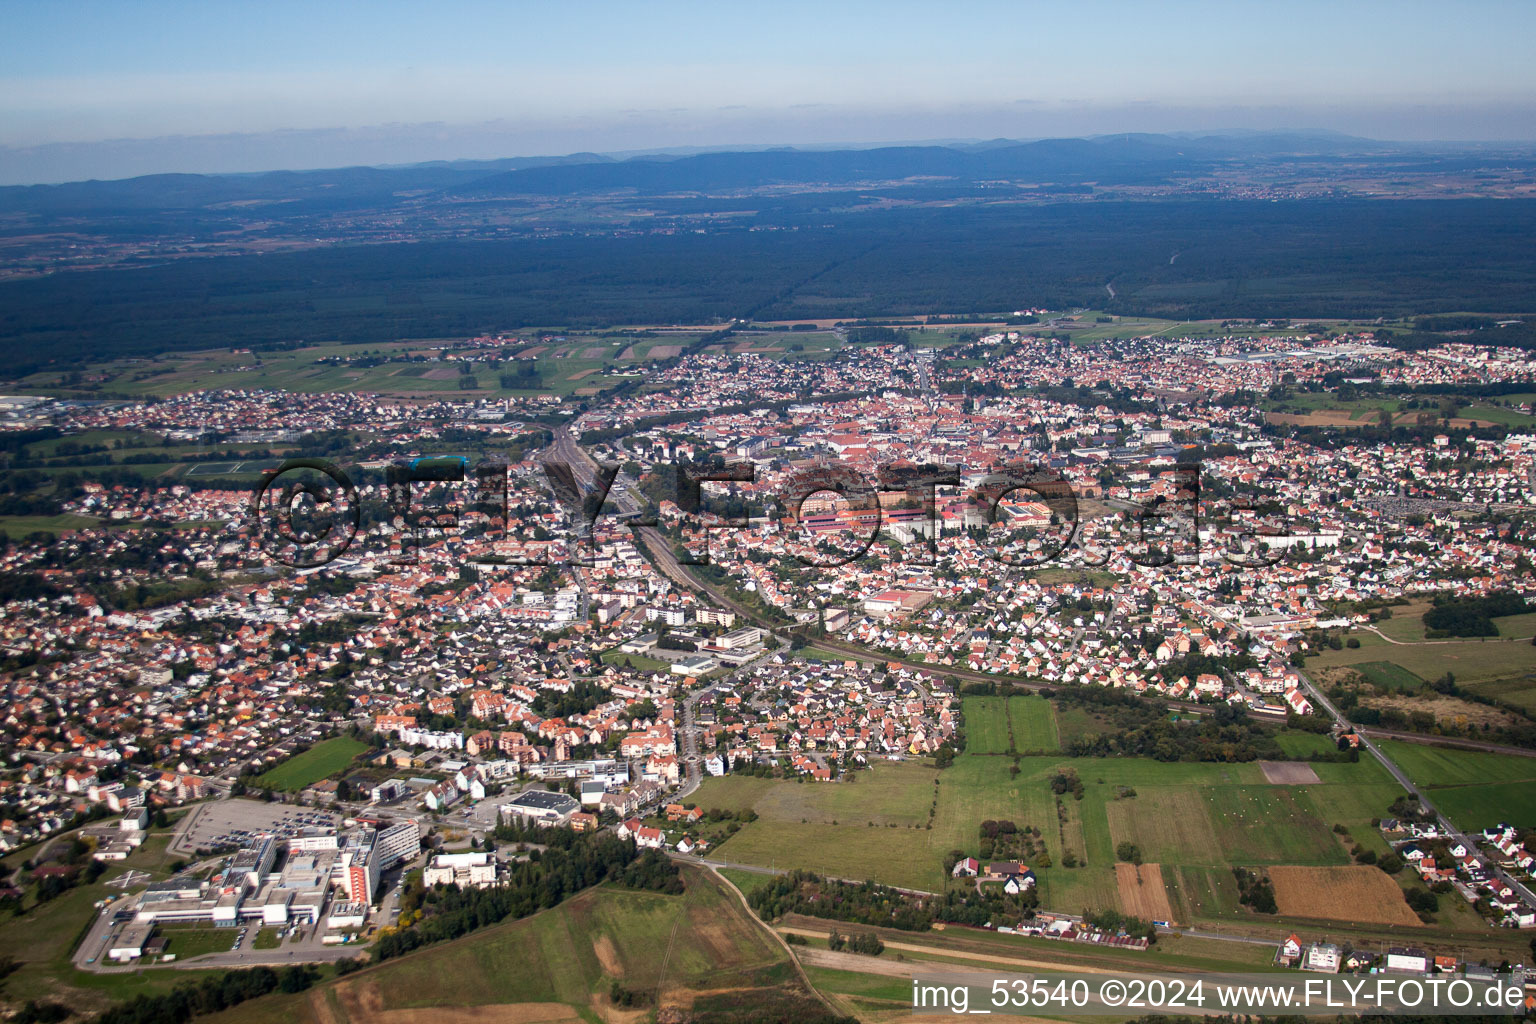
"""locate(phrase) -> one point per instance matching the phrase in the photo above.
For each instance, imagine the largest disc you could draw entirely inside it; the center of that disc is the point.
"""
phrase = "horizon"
(150, 150)
(100, 92)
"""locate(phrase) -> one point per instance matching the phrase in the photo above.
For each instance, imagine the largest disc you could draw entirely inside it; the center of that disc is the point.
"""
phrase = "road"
(1428, 643)
(1447, 741)
(1321, 701)
(662, 555)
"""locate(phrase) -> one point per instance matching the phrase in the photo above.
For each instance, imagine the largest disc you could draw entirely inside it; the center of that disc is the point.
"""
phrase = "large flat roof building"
(541, 807)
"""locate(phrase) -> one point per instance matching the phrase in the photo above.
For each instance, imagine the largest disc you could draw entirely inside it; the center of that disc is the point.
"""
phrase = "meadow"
(698, 949)
(1474, 789)
(1470, 661)
(308, 767)
(896, 822)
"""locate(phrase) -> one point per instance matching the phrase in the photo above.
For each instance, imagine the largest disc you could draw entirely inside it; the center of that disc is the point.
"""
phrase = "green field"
(320, 761)
(695, 948)
(16, 527)
(1471, 661)
(186, 941)
(1473, 788)
(1004, 725)
(1389, 675)
(986, 725)
(1034, 724)
(1190, 815)
(565, 365)
(1299, 745)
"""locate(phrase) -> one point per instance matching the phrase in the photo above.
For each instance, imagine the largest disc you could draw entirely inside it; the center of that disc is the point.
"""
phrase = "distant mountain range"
(1132, 159)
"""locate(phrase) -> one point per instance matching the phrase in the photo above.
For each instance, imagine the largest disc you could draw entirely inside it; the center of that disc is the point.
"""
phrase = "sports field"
(320, 761)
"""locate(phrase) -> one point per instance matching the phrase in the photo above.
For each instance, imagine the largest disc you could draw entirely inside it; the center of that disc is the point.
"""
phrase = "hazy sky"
(224, 86)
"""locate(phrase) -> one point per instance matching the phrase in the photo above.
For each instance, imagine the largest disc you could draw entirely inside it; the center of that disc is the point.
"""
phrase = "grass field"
(187, 941)
(16, 527)
(1389, 675)
(1300, 744)
(1033, 721)
(320, 761)
(1184, 816)
(1003, 725)
(698, 950)
(1471, 661)
(1519, 692)
(1474, 789)
(986, 725)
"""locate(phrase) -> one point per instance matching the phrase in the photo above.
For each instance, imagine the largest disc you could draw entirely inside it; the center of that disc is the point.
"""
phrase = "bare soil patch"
(579, 374)
(594, 352)
(442, 373)
(1288, 773)
(493, 1013)
(665, 351)
(961, 954)
(1142, 892)
(608, 956)
(1317, 418)
(1352, 892)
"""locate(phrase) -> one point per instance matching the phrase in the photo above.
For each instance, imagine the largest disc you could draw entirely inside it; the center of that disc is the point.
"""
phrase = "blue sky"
(256, 82)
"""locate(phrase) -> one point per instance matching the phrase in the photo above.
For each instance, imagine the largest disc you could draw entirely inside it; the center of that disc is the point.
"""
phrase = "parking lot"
(234, 822)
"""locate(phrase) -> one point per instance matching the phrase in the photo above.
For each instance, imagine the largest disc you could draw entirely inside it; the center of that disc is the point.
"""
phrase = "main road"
(661, 553)
(1322, 701)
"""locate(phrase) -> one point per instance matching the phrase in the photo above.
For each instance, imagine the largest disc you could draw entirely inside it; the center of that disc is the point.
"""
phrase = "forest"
(803, 892)
(1237, 258)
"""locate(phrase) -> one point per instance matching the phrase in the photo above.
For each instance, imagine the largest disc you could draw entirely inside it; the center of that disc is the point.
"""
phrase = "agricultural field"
(1470, 661)
(17, 527)
(1407, 623)
(1142, 891)
(1519, 692)
(701, 950)
(1194, 816)
(1474, 789)
(986, 725)
(420, 368)
(1303, 744)
(320, 761)
(1033, 721)
(1390, 676)
(1359, 892)
(1005, 725)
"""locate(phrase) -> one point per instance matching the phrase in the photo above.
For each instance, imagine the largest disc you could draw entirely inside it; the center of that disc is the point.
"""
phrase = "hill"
(695, 957)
